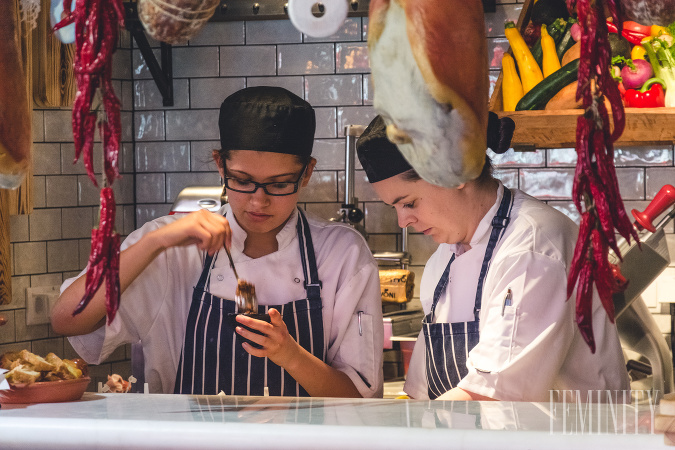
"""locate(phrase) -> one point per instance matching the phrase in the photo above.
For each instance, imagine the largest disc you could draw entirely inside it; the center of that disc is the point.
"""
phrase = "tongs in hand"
(244, 296)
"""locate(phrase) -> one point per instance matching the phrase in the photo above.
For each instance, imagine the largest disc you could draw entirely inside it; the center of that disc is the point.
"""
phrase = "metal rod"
(672, 332)
(404, 240)
(352, 133)
(162, 74)
(229, 256)
(167, 71)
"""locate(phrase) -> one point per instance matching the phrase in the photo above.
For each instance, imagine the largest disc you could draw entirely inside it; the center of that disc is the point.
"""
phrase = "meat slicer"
(649, 361)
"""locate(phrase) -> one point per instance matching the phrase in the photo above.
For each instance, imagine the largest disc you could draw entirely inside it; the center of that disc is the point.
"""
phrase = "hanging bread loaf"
(175, 21)
(430, 74)
(15, 119)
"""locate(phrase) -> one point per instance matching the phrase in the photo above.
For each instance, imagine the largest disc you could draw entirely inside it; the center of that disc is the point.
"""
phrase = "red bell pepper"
(650, 95)
(611, 27)
(634, 32)
(633, 37)
(636, 27)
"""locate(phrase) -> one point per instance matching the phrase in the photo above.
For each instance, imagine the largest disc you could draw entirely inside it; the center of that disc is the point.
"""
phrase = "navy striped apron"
(448, 344)
(213, 359)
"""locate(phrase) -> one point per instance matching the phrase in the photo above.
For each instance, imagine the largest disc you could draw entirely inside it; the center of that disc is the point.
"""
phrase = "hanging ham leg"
(15, 120)
(430, 74)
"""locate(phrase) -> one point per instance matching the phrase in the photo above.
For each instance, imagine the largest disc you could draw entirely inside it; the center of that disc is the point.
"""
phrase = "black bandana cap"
(379, 157)
(267, 119)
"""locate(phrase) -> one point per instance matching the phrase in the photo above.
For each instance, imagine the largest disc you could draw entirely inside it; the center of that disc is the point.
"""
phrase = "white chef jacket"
(154, 308)
(533, 345)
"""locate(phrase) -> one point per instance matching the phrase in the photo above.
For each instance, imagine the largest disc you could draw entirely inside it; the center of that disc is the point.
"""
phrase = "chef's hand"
(208, 231)
(275, 341)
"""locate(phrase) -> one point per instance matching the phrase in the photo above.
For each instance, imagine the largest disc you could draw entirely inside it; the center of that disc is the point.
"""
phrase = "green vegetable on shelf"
(660, 54)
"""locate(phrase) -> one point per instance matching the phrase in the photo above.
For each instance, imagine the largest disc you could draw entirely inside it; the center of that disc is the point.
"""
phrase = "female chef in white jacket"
(317, 279)
(498, 324)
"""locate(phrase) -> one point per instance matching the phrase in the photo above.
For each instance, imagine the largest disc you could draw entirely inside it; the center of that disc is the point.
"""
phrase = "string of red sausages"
(97, 25)
(596, 190)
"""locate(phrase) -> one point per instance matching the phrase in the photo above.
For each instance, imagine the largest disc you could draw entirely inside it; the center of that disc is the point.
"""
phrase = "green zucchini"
(556, 30)
(566, 41)
(544, 91)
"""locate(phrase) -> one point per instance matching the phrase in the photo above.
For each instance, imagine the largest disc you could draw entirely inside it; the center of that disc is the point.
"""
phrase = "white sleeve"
(358, 350)
(523, 346)
(139, 305)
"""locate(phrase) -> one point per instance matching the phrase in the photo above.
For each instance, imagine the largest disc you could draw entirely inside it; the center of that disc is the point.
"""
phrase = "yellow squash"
(550, 61)
(530, 73)
(512, 89)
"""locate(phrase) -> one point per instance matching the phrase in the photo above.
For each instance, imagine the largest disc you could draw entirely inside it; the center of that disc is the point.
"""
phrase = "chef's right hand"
(204, 229)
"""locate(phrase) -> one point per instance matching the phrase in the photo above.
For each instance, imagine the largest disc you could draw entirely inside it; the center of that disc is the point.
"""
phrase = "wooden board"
(555, 129)
(54, 83)
(5, 260)
(21, 199)
(17, 201)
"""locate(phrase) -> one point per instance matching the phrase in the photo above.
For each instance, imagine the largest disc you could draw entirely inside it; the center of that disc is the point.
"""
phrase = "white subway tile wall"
(168, 148)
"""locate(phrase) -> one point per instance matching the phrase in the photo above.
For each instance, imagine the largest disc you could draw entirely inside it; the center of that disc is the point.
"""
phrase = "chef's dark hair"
(267, 119)
(381, 159)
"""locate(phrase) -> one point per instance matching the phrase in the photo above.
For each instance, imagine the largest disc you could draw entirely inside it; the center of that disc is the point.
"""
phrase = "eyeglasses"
(274, 188)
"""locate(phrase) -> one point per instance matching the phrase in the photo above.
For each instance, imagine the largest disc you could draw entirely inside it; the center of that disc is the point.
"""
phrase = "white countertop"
(130, 421)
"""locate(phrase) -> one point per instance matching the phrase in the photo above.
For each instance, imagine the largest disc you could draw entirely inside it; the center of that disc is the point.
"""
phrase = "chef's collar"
(284, 237)
(484, 226)
(267, 119)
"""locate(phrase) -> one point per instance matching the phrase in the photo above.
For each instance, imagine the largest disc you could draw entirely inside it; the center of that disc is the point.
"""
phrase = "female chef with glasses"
(498, 324)
(316, 279)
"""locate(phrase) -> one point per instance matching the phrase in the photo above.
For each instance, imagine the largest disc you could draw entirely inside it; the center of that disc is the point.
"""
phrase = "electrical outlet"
(39, 302)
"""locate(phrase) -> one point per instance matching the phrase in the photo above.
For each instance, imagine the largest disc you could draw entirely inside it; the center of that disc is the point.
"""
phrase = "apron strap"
(204, 283)
(440, 287)
(499, 223)
(308, 258)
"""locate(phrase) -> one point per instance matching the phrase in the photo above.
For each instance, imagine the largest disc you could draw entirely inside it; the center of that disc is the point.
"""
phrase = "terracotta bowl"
(46, 392)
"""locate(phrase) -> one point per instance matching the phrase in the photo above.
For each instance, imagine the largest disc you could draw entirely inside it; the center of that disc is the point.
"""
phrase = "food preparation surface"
(132, 421)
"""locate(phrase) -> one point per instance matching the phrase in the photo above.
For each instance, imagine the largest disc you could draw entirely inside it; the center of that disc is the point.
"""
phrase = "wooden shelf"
(556, 129)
